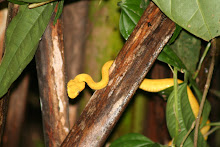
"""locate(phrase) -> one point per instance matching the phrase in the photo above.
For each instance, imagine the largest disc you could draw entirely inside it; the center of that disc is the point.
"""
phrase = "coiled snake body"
(75, 86)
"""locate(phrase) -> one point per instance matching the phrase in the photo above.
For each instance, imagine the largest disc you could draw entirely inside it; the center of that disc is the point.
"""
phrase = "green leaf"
(157, 145)
(185, 118)
(22, 38)
(199, 17)
(169, 56)
(183, 53)
(59, 11)
(131, 11)
(144, 4)
(17, 2)
(187, 48)
(207, 106)
(166, 92)
(175, 34)
(132, 140)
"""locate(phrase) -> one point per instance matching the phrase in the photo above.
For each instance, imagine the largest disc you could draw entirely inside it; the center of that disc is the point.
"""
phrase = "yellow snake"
(75, 86)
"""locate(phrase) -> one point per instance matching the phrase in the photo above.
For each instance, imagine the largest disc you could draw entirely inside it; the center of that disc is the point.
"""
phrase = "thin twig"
(171, 68)
(176, 99)
(187, 134)
(213, 124)
(211, 131)
(207, 85)
(202, 59)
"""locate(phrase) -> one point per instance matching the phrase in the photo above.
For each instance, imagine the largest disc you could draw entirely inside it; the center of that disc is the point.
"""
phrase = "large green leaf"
(187, 48)
(17, 2)
(134, 140)
(175, 34)
(22, 38)
(200, 17)
(169, 56)
(207, 106)
(183, 116)
(131, 11)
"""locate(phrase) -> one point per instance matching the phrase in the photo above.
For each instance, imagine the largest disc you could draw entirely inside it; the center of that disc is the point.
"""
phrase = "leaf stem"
(207, 85)
(187, 134)
(215, 92)
(202, 59)
(211, 131)
(213, 124)
(34, 5)
(176, 98)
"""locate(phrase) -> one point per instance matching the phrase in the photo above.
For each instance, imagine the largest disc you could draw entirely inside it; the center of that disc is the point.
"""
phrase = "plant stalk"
(207, 85)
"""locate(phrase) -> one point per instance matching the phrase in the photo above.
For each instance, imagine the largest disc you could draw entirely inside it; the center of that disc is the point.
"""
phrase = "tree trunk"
(51, 78)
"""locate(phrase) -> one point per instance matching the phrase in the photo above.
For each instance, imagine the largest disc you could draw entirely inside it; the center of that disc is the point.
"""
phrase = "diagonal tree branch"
(130, 67)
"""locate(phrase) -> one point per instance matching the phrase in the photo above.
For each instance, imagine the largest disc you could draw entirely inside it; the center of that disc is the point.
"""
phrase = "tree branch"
(51, 79)
(207, 85)
(127, 72)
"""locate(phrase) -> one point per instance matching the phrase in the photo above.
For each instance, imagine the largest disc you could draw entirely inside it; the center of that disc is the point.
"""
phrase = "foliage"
(182, 52)
(134, 140)
(17, 2)
(22, 38)
(183, 116)
(130, 15)
(200, 18)
(59, 11)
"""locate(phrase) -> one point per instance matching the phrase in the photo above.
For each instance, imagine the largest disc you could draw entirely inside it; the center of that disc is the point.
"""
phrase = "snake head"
(74, 87)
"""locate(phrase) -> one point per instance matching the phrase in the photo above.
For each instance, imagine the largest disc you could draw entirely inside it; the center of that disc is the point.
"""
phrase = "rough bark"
(51, 78)
(129, 69)
(75, 21)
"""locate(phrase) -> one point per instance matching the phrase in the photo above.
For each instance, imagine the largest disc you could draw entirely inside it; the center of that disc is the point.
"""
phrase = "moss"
(104, 43)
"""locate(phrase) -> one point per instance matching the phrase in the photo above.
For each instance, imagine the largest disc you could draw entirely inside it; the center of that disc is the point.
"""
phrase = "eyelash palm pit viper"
(75, 86)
